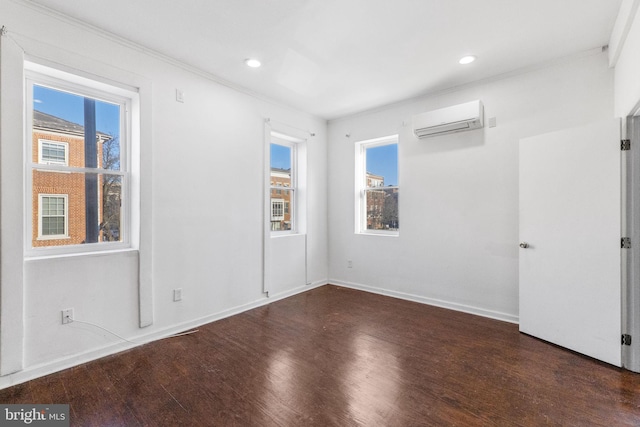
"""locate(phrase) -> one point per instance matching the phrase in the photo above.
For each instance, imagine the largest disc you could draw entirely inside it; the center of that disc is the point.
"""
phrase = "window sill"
(379, 233)
(34, 256)
(277, 234)
(56, 237)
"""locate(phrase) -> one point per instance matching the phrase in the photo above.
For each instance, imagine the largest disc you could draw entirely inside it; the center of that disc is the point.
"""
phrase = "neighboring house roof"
(48, 122)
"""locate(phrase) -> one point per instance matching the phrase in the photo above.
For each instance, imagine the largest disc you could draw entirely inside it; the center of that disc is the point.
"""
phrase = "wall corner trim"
(621, 28)
(11, 203)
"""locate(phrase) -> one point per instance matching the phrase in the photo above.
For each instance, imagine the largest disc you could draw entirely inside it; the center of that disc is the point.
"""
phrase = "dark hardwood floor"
(339, 357)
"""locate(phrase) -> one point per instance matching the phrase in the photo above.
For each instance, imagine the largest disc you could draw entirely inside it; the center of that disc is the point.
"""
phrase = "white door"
(570, 210)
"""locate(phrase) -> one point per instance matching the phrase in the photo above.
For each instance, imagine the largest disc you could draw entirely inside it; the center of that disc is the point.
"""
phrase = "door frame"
(630, 181)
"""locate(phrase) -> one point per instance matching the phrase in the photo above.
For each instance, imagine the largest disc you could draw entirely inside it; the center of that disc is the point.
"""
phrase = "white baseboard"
(41, 370)
(506, 317)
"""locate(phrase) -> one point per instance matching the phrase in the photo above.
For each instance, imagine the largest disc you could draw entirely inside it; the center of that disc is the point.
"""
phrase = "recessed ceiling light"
(467, 59)
(253, 63)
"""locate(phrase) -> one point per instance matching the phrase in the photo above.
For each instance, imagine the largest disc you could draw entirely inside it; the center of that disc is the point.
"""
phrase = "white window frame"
(361, 188)
(128, 99)
(278, 188)
(65, 146)
(41, 216)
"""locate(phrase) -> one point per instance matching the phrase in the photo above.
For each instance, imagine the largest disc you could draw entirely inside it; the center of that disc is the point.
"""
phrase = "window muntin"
(283, 185)
(377, 186)
(52, 216)
(96, 177)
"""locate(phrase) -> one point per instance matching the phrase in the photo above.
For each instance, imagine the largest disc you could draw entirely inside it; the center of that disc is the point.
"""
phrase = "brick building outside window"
(59, 197)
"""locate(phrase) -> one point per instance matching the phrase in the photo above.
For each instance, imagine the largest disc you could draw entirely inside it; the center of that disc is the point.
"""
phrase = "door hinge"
(626, 339)
(625, 243)
(625, 144)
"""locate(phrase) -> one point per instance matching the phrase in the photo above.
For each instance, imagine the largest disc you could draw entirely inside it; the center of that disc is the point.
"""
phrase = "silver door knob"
(524, 245)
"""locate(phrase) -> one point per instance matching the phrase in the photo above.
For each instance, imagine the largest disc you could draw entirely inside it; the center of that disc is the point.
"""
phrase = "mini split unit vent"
(457, 118)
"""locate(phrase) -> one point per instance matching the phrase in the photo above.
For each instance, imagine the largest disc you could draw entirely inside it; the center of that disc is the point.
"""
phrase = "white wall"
(201, 203)
(458, 204)
(458, 243)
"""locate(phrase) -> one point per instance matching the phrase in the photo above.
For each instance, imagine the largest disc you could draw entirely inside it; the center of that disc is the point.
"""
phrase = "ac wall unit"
(457, 118)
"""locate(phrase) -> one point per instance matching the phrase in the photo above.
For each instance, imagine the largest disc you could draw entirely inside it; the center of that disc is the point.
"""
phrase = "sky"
(383, 160)
(70, 107)
(280, 156)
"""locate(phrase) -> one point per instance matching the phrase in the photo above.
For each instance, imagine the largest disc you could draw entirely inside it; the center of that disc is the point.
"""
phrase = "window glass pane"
(53, 206)
(110, 207)
(280, 210)
(378, 185)
(65, 107)
(282, 190)
(53, 215)
(281, 158)
(53, 152)
(91, 209)
(94, 208)
(52, 226)
(62, 114)
(109, 152)
(382, 209)
(382, 165)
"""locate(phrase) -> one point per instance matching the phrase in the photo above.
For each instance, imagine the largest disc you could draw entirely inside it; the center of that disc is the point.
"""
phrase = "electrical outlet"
(67, 316)
(349, 263)
(179, 95)
(177, 294)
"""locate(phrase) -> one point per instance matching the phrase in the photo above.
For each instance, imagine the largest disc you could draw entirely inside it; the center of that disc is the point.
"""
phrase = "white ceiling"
(336, 57)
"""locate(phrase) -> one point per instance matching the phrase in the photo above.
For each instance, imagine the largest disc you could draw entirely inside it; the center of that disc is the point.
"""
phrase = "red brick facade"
(281, 197)
(63, 183)
(71, 185)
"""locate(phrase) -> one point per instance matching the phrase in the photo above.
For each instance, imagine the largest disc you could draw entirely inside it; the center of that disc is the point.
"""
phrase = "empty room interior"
(306, 212)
